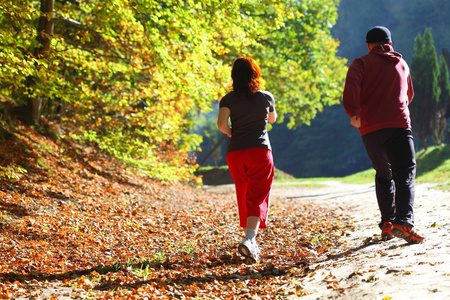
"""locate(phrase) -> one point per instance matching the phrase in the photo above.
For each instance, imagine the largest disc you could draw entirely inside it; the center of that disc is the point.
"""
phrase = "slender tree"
(446, 56)
(425, 74)
(41, 52)
(443, 104)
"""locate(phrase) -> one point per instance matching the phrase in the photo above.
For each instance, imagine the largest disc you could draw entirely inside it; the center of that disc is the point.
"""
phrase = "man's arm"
(352, 92)
(410, 89)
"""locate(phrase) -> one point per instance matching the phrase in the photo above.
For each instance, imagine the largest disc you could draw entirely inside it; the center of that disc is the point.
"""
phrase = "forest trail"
(368, 268)
(179, 242)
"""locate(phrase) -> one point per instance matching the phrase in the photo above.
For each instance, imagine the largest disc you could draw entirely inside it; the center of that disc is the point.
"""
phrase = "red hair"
(246, 75)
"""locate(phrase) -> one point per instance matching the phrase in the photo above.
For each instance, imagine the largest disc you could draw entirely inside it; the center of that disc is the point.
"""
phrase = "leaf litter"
(78, 224)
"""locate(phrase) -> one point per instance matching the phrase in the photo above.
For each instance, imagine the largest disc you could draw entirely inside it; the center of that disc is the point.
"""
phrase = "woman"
(249, 156)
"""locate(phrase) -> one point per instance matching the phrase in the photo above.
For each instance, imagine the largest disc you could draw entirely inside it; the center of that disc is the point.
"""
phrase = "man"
(377, 92)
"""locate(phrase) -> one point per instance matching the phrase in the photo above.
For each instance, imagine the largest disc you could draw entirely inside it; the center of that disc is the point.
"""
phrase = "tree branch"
(70, 21)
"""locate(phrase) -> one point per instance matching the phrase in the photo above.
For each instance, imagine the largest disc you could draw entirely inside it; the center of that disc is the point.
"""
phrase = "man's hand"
(355, 121)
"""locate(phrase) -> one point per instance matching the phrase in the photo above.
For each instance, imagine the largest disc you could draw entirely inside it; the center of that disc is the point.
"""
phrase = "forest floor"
(78, 225)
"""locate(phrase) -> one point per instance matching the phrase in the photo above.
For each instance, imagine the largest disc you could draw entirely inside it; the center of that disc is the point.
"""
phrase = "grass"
(306, 182)
(143, 271)
(366, 176)
(433, 166)
(209, 168)
(298, 182)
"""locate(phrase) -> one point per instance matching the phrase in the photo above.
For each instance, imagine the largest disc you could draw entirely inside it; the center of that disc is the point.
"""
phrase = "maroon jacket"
(378, 90)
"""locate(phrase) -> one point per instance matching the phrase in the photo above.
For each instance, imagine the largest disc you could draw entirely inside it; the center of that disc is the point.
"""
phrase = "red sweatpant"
(252, 171)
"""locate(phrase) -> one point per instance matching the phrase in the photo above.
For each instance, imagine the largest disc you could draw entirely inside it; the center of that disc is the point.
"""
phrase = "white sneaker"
(249, 249)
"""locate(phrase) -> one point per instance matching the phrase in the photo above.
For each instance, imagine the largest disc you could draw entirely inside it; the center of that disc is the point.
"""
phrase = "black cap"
(378, 34)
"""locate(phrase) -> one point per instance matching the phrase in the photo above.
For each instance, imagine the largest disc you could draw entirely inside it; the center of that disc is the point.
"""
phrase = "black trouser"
(391, 151)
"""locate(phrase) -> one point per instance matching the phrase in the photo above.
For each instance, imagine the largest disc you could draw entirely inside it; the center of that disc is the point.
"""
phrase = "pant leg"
(260, 173)
(384, 181)
(236, 166)
(401, 154)
(252, 171)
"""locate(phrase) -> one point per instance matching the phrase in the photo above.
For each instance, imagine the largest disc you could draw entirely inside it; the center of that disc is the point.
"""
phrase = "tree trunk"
(45, 33)
(210, 153)
(446, 55)
(424, 143)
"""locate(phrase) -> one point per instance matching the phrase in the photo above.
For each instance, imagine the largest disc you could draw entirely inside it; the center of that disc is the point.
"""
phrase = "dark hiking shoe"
(386, 233)
(249, 249)
(407, 233)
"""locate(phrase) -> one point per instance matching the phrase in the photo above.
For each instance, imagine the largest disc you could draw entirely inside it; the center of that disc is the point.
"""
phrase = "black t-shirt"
(249, 118)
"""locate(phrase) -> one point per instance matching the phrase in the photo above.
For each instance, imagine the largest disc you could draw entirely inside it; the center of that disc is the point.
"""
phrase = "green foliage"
(143, 271)
(298, 57)
(127, 77)
(17, 37)
(440, 122)
(159, 257)
(425, 75)
(11, 172)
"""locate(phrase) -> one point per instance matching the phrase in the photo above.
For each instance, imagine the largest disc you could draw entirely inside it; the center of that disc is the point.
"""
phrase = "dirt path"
(368, 268)
(362, 267)
(373, 269)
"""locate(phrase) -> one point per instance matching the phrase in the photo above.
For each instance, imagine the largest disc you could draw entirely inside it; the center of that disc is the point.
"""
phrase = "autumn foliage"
(78, 224)
(127, 77)
(97, 97)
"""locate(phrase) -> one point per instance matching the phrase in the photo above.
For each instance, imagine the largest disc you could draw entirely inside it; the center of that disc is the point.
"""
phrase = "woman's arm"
(222, 120)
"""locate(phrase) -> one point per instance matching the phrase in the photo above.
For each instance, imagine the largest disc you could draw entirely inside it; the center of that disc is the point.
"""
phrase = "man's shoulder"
(358, 62)
(364, 57)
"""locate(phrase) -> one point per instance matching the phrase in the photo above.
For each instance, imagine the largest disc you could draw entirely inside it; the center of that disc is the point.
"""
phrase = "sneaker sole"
(386, 236)
(400, 234)
(244, 251)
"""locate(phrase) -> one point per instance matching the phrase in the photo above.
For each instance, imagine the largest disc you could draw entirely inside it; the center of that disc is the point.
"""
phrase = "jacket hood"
(387, 51)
